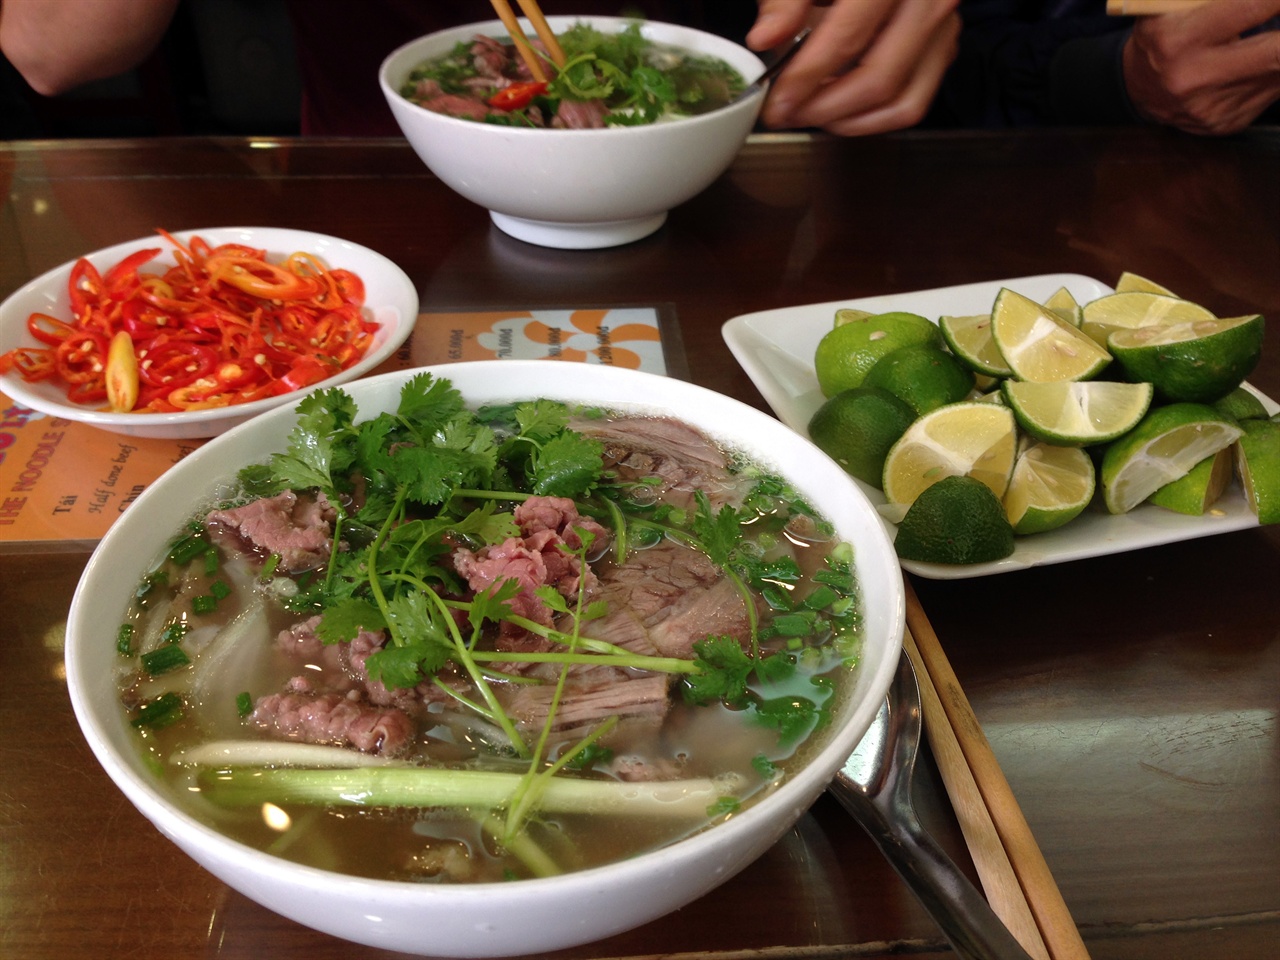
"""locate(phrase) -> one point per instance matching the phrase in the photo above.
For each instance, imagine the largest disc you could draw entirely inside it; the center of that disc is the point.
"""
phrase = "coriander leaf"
(541, 420)
(792, 717)
(550, 596)
(491, 603)
(719, 532)
(775, 669)
(428, 403)
(567, 465)
(346, 618)
(723, 669)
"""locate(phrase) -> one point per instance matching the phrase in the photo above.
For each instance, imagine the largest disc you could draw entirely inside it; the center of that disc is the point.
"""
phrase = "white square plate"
(776, 347)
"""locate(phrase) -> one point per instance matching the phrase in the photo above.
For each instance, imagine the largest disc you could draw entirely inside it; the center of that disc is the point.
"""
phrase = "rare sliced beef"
(297, 528)
(332, 718)
(583, 706)
(679, 457)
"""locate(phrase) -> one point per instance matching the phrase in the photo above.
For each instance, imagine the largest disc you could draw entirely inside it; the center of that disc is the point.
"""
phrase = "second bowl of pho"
(484, 660)
(660, 99)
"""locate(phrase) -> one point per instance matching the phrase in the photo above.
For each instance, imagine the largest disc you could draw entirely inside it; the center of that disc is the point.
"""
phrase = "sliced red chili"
(175, 363)
(517, 95)
(48, 329)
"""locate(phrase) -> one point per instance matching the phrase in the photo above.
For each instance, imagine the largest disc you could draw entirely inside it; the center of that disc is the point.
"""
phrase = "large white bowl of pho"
(532, 161)
(489, 658)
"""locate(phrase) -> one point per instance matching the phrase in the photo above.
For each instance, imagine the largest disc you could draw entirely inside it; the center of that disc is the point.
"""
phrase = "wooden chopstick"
(1149, 8)
(508, 18)
(998, 878)
(1057, 929)
(543, 29)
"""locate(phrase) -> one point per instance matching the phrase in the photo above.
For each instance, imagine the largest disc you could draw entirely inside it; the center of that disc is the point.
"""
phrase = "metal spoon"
(776, 67)
(875, 786)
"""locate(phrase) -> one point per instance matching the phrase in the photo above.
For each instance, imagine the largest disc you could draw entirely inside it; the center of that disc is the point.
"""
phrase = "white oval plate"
(390, 299)
(776, 347)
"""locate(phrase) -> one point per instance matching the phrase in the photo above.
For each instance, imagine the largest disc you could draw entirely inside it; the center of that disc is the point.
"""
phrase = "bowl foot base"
(578, 236)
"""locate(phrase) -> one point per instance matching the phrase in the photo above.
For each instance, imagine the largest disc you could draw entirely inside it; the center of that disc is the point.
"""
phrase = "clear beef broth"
(655, 603)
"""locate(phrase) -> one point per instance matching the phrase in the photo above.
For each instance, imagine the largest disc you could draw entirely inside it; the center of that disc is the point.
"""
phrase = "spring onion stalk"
(409, 786)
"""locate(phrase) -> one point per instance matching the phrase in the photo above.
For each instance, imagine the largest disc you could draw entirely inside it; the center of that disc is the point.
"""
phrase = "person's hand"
(869, 66)
(1192, 70)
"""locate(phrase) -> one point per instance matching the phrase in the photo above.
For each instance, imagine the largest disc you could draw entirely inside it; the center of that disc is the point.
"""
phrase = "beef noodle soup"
(608, 79)
(455, 646)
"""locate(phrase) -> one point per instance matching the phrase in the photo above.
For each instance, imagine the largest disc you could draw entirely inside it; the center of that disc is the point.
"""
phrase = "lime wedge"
(1241, 404)
(1198, 361)
(1136, 308)
(1039, 345)
(1162, 448)
(1200, 489)
(1075, 414)
(1064, 304)
(970, 339)
(851, 347)
(1050, 487)
(961, 439)
(957, 520)
(1258, 463)
(1133, 283)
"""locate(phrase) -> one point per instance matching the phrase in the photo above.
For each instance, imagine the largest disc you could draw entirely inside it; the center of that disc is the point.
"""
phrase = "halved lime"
(1039, 345)
(1077, 414)
(1136, 308)
(1050, 486)
(1200, 489)
(970, 339)
(957, 520)
(1258, 463)
(961, 439)
(1198, 361)
(856, 428)
(1063, 302)
(1163, 447)
(1132, 282)
(851, 348)
(925, 376)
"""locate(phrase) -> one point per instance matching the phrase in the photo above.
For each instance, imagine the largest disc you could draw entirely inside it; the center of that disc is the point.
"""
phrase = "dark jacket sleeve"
(1035, 63)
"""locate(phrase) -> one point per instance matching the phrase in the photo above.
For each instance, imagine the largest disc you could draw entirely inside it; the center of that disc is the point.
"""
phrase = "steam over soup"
(458, 645)
(609, 79)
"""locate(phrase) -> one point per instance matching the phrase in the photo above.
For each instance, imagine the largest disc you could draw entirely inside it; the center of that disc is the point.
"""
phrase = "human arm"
(60, 44)
(1193, 70)
(869, 66)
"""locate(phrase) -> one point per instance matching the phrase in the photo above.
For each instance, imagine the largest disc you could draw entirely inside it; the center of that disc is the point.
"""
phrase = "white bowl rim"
(198, 422)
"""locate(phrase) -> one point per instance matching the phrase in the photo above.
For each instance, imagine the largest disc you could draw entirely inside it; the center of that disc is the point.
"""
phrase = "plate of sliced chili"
(185, 335)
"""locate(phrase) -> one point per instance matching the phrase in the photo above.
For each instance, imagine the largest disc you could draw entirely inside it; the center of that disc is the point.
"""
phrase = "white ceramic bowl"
(575, 189)
(390, 299)
(528, 916)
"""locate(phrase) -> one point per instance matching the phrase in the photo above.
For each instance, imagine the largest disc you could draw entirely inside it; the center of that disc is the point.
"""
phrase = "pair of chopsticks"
(1011, 868)
(540, 26)
(1149, 8)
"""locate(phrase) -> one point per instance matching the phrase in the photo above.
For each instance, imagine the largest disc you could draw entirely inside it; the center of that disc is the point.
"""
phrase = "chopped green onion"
(188, 548)
(244, 704)
(163, 659)
(124, 640)
(204, 603)
(220, 589)
(166, 709)
(174, 632)
(269, 568)
(210, 562)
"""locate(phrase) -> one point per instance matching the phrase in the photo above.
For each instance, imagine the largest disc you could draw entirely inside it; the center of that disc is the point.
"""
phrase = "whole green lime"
(925, 376)
(852, 347)
(856, 428)
(955, 521)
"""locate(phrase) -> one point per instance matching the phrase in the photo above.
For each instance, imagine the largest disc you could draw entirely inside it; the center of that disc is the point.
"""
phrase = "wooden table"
(1131, 699)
